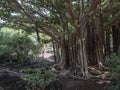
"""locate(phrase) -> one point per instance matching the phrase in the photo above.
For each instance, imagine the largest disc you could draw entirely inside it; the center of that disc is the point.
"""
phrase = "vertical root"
(102, 66)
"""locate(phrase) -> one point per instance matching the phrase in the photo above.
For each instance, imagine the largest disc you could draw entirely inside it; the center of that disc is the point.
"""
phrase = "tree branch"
(16, 6)
(70, 10)
(93, 6)
(116, 19)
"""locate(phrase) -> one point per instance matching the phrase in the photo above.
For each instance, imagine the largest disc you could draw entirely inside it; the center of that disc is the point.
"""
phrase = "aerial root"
(103, 67)
(93, 73)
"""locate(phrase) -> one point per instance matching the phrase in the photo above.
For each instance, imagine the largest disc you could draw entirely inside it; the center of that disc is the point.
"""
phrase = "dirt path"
(47, 57)
(74, 84)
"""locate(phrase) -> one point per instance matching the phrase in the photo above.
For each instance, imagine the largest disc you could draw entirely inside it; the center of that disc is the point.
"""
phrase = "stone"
(14, 82)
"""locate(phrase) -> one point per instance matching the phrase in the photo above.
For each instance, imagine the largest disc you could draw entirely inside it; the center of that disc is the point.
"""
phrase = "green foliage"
(114, 60)
(1, 88)
(45, 39)
(37, 79)
(37, 75)
(17, 45)
(114, 63)
(30, 70)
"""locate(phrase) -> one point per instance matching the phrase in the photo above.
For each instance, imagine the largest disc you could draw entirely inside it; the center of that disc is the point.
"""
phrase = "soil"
(61, 83)
(11, 81)
(75, 84)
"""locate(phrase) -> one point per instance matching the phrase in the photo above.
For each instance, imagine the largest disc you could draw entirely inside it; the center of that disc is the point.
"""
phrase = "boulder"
(11, 81)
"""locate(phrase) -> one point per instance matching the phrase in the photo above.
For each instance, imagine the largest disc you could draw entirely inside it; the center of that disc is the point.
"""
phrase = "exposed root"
(105, 75)
(11, 73)
(59, 66)
(76, 73)
(75, 77)
(87, 75)
(103, 67)
(94, 71)
(64, 73)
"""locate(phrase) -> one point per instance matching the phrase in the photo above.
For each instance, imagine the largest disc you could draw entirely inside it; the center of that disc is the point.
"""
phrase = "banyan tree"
(80, 28)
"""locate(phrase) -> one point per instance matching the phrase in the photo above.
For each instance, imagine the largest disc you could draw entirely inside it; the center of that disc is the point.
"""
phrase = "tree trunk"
(75, 54)
(84, 48)
(91, 45)
(95, 42)
(54, 51)
(116, 38)
(107, 43)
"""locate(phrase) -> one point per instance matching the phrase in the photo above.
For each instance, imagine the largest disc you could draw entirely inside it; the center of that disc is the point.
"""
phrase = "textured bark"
(107, 43)
(116, 38)
(54, 51)
(95, 41)
(91, 44)
(75, 53)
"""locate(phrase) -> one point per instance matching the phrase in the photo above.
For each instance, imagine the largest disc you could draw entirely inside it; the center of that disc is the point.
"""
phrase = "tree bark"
(116, 38)
(107, 43)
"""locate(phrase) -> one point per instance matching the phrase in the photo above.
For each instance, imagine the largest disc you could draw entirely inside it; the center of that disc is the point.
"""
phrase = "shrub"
(37, 75)
(114, 63)
(17, 45)
(37, 79)
(1, 88)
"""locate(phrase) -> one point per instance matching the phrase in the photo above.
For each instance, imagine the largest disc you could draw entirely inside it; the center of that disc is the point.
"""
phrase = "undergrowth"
(114, 63)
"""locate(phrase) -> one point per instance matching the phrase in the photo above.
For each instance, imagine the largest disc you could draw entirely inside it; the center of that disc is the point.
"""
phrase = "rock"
(4, 74)
(8, 82)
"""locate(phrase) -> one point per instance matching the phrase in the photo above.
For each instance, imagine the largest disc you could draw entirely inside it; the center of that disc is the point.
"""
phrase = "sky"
(1, 21)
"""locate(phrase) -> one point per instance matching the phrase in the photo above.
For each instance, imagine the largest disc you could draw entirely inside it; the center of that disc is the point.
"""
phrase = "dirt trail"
(75, 84)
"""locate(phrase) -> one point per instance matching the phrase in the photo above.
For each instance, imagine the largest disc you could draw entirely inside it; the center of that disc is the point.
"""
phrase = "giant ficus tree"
(77, 26)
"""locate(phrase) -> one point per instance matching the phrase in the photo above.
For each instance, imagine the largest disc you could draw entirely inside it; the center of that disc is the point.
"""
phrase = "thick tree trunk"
(91, 45)
(95, 43)
(107, 43)
(67, 55)
(116, 37)
(81, 50)
(75, 56)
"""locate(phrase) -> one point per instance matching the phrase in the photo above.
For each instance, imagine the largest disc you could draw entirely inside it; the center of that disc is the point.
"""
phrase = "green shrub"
(1, 88)
(30, 70)
(114, 63)
(38, 75)
(37, 79)
(17, 45)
